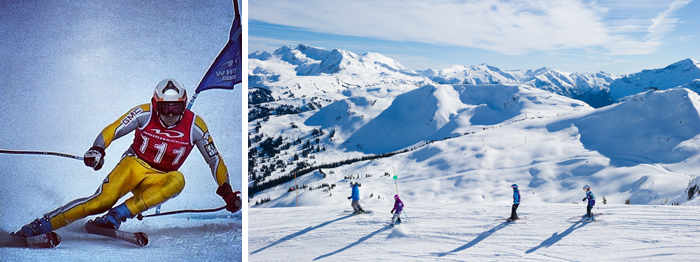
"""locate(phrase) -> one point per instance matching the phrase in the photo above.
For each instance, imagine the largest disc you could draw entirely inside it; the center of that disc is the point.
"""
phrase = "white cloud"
(508, 27)
(663, 22)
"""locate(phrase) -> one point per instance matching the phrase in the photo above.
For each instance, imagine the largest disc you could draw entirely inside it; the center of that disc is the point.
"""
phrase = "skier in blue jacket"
(355, 198)
(516, 203)
(591, 201)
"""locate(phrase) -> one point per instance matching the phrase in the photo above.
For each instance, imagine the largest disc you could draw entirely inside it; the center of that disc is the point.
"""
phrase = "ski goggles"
(170, 108)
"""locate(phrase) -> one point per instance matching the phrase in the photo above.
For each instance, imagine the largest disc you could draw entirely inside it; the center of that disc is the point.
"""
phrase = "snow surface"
(70, 68)
(470, 232)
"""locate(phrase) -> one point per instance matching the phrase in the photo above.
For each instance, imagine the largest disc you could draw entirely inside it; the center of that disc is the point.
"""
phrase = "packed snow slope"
(470, 232)
(185, 237)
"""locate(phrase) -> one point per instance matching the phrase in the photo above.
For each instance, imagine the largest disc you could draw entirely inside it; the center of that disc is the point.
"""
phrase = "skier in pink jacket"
(398, 207)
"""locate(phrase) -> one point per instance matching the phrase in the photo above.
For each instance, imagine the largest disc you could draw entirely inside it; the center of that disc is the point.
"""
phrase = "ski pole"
(363, 202)
(23, 152)
(140, 216)
(404, 212)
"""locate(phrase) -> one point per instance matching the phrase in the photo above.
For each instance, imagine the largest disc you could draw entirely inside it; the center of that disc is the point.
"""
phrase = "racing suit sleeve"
(137, 116)
(205, 144)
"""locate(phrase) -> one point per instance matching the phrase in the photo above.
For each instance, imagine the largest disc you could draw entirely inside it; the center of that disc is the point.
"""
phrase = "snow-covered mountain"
(498, 127)
(284, 73)
(590, 88)
(684, 74)
(485, 136)
(304, 71)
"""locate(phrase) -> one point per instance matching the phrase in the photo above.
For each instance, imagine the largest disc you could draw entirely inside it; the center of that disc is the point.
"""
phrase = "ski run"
(184, 237)
(469, 232)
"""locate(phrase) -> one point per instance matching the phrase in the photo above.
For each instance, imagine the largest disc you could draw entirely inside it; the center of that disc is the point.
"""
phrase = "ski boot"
(113, 219)
(35, 228)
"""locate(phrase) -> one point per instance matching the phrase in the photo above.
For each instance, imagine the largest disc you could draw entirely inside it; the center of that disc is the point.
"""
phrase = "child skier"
(398, 207)
(355, 198)
(516, 203)
(591, 201)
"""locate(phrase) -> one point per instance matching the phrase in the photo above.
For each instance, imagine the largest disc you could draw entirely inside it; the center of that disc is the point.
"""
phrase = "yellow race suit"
(148, 169)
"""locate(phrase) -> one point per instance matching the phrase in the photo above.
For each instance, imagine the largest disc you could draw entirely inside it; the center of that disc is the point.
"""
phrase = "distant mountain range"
(273, 72)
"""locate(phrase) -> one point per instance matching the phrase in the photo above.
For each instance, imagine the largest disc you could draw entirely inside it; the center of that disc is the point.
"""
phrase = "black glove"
(584, 199)
(391, 212)
(232, 199)
(94, 157)
(349, 197)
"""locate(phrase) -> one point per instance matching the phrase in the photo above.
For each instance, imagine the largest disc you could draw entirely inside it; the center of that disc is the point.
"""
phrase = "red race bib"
(163, 148)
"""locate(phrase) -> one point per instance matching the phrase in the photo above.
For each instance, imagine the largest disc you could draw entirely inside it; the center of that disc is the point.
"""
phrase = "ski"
(519, 218)
(584, 221)
(48, 240)
(594, 215)
(363, 212)
(397, 223)
(139, 238)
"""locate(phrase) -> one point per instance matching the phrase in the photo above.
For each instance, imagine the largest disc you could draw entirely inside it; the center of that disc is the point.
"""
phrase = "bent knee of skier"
(168, 187)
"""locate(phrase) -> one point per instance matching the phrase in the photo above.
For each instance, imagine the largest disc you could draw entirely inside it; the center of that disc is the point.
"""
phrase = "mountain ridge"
(597, 89)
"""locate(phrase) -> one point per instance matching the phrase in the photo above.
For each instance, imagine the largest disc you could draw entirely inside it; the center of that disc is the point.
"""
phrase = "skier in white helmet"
(165, 133)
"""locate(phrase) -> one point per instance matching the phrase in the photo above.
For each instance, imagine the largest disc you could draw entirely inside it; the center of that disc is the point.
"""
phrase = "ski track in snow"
(468, 232)
(208, 237)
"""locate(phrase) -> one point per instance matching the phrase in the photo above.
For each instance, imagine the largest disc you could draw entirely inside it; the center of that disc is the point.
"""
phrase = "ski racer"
(165, 133)
(355, 198)
(398, 207)
(516, 203)
(591, 201)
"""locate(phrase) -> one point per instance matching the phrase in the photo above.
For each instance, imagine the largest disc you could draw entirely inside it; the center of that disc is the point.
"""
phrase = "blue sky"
(613, 36)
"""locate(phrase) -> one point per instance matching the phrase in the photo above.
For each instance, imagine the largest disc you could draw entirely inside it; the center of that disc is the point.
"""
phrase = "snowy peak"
(434, 112)
(474, 75)
(684, 73)
(686, 64)
(260, 55)
(651, 124)
(313, 61)
(572, 85)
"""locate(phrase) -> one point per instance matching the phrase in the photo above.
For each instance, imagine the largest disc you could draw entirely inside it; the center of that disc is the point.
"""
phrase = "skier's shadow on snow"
(353, 244)
(308, 229)
(478, 239)
(556, 237)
